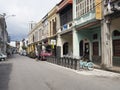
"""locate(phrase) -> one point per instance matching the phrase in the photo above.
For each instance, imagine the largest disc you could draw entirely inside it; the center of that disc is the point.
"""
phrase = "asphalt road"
(23, 73)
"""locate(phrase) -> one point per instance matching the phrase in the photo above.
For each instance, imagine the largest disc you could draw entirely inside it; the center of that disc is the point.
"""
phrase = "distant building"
(3, 35)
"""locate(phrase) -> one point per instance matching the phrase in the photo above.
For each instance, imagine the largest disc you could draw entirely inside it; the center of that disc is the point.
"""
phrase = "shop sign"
(98, 9)
(53, 42)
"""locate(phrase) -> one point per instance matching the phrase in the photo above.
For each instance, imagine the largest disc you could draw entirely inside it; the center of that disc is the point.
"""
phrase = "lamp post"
(7, 16)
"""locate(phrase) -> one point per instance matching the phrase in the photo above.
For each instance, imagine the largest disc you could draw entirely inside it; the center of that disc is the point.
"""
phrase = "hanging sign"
(98, 9)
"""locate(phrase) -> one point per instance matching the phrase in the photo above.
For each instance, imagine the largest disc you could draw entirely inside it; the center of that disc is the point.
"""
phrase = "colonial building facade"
(111, 33)
(81, 26)
(65, 20)
(87, 30)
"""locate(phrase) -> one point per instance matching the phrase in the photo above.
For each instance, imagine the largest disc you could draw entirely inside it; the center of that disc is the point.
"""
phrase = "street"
(24, 73)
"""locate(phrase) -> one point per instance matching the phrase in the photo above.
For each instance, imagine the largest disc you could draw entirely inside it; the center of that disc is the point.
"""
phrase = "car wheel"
(2, 59)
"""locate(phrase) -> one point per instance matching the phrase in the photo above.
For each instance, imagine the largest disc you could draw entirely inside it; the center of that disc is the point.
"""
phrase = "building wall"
(4, 34)
(52, 22)
(83, 15)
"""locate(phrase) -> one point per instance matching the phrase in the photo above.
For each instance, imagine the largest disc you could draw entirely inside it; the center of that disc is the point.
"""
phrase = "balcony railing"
(66, 26)
(66, 61)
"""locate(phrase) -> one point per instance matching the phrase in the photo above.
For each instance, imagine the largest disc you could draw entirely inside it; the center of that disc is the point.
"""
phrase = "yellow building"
(34, 36)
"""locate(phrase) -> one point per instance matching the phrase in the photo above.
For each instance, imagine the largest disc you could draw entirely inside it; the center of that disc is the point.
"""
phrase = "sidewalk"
(112, 69)
(100, 73)
(95, 72)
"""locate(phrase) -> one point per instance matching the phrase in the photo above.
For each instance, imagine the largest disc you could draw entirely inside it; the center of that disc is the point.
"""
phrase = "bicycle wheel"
(90, 66)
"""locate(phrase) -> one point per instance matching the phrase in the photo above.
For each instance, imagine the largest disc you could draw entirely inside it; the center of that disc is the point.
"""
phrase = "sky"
(25, 11)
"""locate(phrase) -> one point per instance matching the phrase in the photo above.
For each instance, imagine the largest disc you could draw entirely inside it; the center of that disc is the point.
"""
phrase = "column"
(59, 44)
(106, 44)
(75, 43)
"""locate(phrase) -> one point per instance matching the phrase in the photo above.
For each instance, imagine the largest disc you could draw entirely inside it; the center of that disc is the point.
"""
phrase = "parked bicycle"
(86, 63)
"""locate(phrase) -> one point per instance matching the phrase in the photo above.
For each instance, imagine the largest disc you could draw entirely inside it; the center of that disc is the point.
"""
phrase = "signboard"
(53, 42)
(98, 9)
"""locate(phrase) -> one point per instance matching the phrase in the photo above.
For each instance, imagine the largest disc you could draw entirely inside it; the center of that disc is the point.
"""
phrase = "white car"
(3, 57)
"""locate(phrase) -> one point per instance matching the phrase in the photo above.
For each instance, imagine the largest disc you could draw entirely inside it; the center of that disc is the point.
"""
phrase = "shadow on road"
(11, 56)
(5, 70)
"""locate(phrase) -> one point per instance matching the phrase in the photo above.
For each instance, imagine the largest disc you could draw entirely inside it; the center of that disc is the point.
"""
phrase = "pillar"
(106, 41)
(75, 43)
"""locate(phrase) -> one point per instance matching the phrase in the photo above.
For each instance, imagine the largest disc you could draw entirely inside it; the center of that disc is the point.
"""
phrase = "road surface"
(23, 73)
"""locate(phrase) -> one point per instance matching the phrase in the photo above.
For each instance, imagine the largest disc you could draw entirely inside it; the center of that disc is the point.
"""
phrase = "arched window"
(116, 33)
(65, 48)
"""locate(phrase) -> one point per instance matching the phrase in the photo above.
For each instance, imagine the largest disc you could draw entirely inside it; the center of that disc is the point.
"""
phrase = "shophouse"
(111, 33)
(52, 29)
(87, 29)
(34, 36)
(38, 35)
(45, 33)
(64, 27)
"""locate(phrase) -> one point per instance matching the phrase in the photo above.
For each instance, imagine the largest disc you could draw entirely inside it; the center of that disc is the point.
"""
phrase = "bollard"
(78, 64)
(75, 64)
(65, 62)
(71, 62)
(62, 61)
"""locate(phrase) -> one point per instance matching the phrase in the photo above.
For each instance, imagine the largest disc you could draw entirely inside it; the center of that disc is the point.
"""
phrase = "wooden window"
(50, 28)
(84, 6)
(116, 47)
(95, 37)
(54, 26)
(87, 5)
(66, 15)
(95, 49)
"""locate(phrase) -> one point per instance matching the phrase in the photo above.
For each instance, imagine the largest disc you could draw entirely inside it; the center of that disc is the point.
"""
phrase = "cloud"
(25, 11)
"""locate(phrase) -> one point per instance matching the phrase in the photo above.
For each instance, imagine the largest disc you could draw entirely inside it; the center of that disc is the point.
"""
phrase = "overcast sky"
(25, 11)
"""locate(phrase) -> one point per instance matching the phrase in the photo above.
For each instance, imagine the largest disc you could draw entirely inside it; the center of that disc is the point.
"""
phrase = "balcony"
(66, 27)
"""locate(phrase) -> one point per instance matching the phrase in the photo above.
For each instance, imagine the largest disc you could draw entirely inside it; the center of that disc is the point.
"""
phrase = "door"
(87, 50)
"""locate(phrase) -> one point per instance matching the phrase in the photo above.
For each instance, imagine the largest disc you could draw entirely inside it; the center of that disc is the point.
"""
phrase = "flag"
(109, 6)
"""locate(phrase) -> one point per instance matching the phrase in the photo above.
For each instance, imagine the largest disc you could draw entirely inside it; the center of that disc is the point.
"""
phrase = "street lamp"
(10, 16)
(5, 16)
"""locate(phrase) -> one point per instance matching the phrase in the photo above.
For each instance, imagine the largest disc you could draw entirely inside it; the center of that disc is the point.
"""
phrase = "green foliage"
(24, 47)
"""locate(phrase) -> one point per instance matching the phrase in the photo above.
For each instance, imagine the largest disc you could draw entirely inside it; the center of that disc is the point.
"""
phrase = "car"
(24, 53)
(45, 54)
(2, 57)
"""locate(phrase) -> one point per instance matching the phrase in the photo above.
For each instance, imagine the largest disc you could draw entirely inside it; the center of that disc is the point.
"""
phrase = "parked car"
(23, 52)
(45, 54)
(2, 57)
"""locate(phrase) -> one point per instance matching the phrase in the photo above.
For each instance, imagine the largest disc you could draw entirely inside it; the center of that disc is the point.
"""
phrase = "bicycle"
(86, 63)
